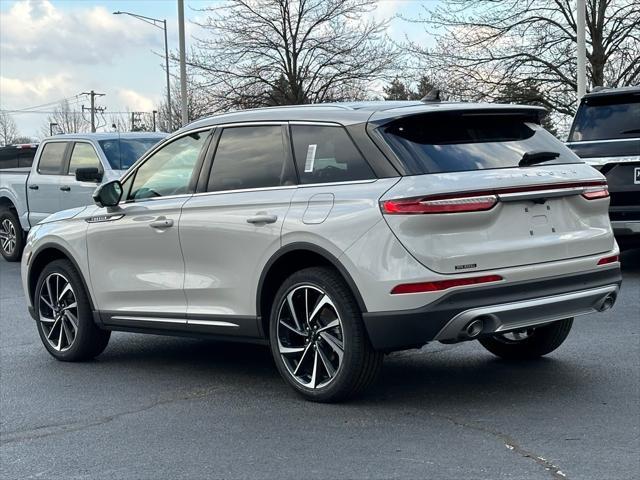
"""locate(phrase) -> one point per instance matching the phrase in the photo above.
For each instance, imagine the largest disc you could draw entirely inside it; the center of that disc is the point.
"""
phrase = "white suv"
(335, 233)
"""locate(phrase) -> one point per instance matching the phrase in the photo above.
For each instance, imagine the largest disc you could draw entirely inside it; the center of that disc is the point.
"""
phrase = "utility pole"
(183, 65)
(51, 125)
(582, 49)
(154, 119)
(93, 109)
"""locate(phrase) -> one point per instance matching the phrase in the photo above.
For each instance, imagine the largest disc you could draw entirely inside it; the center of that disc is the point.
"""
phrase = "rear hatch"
(471, 202)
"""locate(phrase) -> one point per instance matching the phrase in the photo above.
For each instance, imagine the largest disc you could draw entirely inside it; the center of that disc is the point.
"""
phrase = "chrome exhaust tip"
(474, 328)
(607, 303)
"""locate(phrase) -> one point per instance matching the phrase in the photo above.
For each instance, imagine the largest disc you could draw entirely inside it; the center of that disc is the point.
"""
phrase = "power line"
(73, 99)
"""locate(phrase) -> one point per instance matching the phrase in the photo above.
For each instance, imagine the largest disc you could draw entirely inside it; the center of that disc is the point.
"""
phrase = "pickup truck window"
(122, 153)
(52, 158)
(83, 156)
(168, 171)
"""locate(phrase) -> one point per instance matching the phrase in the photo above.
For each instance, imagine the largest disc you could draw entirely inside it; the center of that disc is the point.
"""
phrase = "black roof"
(600, 92)
(349, 113)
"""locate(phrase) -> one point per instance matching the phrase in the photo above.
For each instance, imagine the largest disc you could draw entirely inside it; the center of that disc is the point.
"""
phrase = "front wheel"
(64, 316)
(318, 339)
(11, 236)
(528, 343)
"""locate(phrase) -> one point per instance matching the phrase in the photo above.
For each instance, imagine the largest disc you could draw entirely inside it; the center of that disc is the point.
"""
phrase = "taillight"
(476, 203)
(607, 260)
(440, 285)
(596, 193)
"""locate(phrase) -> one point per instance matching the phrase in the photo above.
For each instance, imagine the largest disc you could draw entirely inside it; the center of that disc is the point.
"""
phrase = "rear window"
(51, 158)
(121, 153)
(607, 118)
(438, 143)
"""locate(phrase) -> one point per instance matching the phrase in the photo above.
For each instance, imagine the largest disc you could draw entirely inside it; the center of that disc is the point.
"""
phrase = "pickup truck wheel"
(11, 236)
(65, 320)
(529, 343)
(318, 339)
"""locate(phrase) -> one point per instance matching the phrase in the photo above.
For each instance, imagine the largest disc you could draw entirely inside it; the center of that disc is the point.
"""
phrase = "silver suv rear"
(335, 233)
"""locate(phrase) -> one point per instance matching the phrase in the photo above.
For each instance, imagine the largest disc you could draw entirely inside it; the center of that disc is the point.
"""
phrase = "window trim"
(68, 162)
(65, 156)
(200, 162)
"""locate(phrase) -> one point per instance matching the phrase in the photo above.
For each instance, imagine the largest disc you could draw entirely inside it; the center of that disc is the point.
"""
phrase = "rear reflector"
(442, 284)
(607, 260)
(596, 193)
(443, 205)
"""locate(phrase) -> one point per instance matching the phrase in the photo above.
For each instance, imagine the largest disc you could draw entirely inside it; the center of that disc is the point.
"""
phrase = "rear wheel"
(528, 343)
(65, 321)
(11, 236)
(318, 339)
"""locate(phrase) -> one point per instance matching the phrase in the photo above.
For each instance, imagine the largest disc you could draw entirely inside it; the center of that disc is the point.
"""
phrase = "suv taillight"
(476, 203)
(596, 193)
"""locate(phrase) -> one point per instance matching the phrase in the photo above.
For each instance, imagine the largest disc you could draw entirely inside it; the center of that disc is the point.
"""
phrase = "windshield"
(607, 118)
(438, 143)
(123, 152)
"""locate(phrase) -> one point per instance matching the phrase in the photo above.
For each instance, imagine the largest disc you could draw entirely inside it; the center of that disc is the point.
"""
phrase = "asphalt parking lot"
(162, 407)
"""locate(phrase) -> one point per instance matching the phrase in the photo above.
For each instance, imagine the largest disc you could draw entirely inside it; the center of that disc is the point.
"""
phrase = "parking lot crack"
(511, 444)
(66, 427)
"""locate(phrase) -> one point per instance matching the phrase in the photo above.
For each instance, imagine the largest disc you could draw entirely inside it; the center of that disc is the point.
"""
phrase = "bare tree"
(8, 129)
(66, 119)
(263, 52)
(199, 103)
(486, 44)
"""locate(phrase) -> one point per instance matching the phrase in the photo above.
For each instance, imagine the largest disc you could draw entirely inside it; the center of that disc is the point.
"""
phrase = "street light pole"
(183, 66)
(162, 24)
(581, 49)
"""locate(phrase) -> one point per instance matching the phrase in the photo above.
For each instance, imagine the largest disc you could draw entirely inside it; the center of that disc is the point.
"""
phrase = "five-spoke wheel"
(11, 235)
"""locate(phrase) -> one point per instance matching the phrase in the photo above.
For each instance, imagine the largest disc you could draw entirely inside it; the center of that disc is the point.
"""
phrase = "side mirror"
(108, 194)
(88, 174)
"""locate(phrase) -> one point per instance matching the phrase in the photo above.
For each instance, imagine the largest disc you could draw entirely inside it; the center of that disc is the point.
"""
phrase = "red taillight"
(596, 193)
(607, 260)
(442, 284)
(476, 203)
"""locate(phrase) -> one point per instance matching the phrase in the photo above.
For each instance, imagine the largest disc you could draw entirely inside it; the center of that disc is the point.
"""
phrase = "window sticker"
(311, 158)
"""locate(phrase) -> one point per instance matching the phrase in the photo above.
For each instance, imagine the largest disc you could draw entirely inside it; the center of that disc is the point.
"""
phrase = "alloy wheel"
(310, 336)
(58, 312)
(8, 236)
(515, 336)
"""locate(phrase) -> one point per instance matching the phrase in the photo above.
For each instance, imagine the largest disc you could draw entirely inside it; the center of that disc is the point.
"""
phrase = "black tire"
(90, 340)
(540, 341)
(360, 363)
(7, 215)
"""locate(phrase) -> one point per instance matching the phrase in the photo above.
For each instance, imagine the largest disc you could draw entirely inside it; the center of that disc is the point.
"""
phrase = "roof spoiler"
(432, 96)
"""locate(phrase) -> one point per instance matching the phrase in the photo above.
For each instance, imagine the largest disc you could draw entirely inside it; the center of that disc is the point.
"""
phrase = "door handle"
(66, 188)
(33, 187)
(262, 218)
(162, 223)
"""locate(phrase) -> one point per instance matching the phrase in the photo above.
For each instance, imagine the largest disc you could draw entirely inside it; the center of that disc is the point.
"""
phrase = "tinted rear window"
(437, 143)
(51, 158)
(607, 118)
(121, 153)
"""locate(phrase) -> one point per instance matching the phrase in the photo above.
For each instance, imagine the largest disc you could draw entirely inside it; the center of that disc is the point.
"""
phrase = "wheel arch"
(289, 259)
(42, 257)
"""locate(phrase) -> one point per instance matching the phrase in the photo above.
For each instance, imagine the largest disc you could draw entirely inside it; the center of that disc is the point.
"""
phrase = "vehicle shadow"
(429, 378)
(630, 260)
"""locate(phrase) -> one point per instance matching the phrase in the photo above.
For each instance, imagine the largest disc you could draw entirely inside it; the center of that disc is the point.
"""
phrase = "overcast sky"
(55, 49)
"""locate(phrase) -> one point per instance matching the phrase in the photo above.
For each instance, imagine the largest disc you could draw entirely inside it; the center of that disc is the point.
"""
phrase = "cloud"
(135, 101)
(37, 30)
(16, 90)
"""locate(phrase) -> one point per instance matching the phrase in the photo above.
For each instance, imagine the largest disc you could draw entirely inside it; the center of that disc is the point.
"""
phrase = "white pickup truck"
(64, 174)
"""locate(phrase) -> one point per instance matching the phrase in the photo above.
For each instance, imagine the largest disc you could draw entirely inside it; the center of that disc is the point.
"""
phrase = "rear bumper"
(502, 308)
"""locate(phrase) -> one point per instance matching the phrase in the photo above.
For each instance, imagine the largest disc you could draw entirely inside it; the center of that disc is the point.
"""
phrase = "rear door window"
(607, 118)
(454, 142)
(83, 156)
(250, 157)
(52, 158)
(326, 154)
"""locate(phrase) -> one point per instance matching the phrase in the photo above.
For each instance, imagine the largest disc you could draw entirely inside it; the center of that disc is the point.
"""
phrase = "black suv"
(606, 134)
(17, 156)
